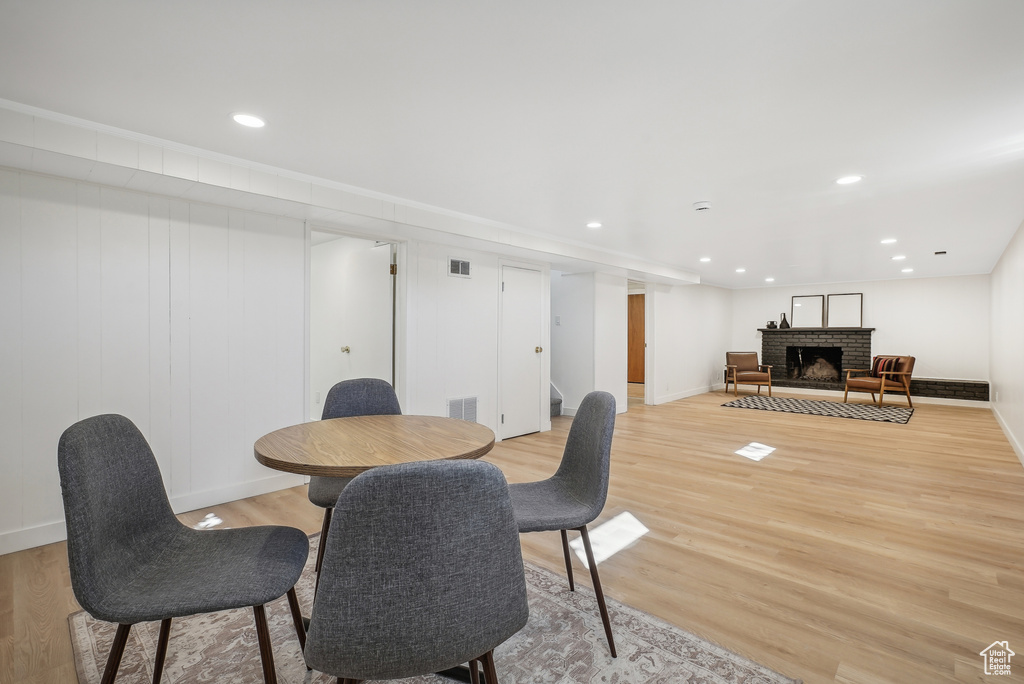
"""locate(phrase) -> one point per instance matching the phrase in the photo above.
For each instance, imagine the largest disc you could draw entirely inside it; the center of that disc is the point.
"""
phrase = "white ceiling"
(546, 115)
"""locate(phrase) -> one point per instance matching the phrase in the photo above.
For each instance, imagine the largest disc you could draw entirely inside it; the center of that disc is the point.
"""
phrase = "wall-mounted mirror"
(808, 311)
(846, 310)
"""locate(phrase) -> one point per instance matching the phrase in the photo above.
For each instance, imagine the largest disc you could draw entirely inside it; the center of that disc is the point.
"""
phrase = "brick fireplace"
(815, 358)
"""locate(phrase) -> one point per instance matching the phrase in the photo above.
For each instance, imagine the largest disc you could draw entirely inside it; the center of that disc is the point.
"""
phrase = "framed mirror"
(846, 310)
(808, 311)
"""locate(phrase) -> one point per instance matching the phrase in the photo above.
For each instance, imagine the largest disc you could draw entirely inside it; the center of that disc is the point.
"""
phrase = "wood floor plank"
(857, 552)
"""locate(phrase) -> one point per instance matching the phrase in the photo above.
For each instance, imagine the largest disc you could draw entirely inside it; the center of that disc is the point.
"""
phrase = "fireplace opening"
(823, 364)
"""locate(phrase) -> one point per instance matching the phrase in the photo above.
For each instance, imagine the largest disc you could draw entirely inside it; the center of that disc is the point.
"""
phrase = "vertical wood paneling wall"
(189, 319)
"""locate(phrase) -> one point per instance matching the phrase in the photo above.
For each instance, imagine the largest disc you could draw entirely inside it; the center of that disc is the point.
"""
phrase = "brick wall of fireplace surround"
(855, 343)
(856, 346)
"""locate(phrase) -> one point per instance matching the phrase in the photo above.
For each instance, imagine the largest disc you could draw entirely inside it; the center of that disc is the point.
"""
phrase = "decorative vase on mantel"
(783, 323)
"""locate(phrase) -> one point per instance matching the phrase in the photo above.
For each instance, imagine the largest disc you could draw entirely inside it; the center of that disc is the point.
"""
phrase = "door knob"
(539, 349)
(345, 349)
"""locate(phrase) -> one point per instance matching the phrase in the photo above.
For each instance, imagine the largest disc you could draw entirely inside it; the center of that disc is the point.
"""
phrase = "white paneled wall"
(1007, 389)
(186, 318)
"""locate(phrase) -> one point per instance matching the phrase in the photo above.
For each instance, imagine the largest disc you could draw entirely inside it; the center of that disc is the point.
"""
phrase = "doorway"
(636, 371)
(520, 367)
(351, 313)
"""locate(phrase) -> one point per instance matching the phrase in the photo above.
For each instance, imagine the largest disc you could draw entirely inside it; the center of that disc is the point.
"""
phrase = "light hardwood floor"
(856, 552)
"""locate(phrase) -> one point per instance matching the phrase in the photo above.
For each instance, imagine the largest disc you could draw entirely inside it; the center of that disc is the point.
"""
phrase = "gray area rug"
(563, 643)
(815, 407)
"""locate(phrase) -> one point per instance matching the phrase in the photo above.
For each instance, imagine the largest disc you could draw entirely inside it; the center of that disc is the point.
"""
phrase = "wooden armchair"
(887, 373)
(743, 367)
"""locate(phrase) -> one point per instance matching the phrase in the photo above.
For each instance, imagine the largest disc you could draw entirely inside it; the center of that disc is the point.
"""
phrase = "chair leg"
(490, 674)
(758, 389)
(266, 650)
(323, 538)
(881, 394)
(769, 384)
(320, 549)
(846, 391)
(568, 560)
(597, 589)
(161, 650)
(911, 403)
(116, 651)
(474, 674)
(300, 629)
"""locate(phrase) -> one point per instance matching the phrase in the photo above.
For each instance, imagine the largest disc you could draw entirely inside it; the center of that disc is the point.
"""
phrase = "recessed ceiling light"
(593, 224)
(769, 280)
(705, 259)
(899, 257)
(741, 270)
(908, 270)
(888, 241)
(846, 180)
(248, 120)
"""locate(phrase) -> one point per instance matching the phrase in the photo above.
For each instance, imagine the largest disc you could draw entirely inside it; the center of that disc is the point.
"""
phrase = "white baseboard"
(665, 398)
(30, 537)
(49, 533)
(1010, 437)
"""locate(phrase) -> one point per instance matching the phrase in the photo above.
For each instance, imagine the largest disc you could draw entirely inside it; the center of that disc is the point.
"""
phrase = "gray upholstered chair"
(423, 572)
(573, 497)
(132, 561)
(358, 397)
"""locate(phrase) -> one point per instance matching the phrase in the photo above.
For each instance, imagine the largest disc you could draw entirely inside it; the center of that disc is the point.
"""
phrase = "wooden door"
(637, 339)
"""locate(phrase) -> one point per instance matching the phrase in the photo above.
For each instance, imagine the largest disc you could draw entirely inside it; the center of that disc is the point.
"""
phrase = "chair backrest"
(583, 471)
(904, 364)
(115, 507)
(361, 397)
(744, 361)
(422, 571)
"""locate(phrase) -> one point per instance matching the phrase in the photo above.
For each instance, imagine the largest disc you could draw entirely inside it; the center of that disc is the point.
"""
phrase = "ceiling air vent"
(463, 408)
(458, 267)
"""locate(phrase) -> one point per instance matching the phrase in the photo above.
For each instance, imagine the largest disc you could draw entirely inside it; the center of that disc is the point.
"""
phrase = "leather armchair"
(742, 367)
(896, 379)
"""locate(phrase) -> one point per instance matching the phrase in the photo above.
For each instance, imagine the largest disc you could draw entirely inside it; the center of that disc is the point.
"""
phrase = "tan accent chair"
(743, 367)
(897, 380)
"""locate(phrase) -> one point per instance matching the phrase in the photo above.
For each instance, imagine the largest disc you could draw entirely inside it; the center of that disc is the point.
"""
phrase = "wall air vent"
(463, 408)
(458, 267)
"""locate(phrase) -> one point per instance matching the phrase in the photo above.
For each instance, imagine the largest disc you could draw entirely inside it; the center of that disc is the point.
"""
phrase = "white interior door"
(350, 313)
(521, 351)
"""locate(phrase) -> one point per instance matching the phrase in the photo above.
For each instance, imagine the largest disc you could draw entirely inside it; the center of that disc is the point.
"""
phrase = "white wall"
(687, 336)
(349, 306)
(943, 322)
(1007, 381)
(589, 344)
(572, 337)
(451, 325)
(611, 337)
(188, 319)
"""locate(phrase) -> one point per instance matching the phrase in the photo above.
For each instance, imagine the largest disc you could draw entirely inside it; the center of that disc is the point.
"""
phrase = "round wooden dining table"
(346, 447)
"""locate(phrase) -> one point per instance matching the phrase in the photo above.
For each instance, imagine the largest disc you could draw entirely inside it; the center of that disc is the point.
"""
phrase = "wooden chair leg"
(300, 629)
(846, 391)
(909, 402)
(320, 549)
(266, 650)
(116, 651)
(568, 560)
(474, 674)
(490, 674)
(881, 393)
(161, 650)
(597, 590)
(769, 384)
(324, 527)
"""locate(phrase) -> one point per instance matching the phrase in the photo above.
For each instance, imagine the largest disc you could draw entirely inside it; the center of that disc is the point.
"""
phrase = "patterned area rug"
(815, 407)
(563, 643)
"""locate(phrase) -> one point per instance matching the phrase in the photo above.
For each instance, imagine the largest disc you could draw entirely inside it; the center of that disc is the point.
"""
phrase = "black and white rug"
(815, 407)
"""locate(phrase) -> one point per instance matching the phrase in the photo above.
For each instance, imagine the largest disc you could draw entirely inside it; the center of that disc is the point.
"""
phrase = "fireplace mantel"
(804, 330)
